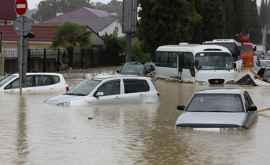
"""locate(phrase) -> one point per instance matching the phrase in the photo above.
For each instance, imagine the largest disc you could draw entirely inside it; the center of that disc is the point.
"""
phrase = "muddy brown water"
(33, 133)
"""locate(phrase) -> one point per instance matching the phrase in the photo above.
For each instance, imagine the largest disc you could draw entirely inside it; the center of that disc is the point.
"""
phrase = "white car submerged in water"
(35, 83)
(218, 108)
(109, 89)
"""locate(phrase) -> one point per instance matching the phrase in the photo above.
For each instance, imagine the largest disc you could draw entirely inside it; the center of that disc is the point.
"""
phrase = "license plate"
(207, 129)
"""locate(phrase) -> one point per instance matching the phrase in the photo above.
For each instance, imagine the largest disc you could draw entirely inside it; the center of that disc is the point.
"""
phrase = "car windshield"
(216, 103)
(83, 88)
(214, 61)
(5, 79)
(137, 69)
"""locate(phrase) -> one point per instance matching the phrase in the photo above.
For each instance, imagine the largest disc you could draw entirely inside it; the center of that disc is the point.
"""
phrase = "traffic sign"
(24, 24)
(21, 7)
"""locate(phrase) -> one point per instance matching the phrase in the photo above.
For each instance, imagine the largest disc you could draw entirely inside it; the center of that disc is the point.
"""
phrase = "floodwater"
(33, 133)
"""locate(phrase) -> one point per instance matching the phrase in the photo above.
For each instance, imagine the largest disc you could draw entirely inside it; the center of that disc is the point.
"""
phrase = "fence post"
(58, 60)
(82, 58)
(44, 60)
(29, 65)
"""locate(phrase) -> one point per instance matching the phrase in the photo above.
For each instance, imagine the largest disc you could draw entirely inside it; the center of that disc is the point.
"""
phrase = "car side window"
(29, 82)
(135, 86)
(110, 88)
(44, 80)
(248, 99)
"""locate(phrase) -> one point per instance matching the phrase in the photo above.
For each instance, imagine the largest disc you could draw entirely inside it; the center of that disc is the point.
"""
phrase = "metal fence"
(55, 60)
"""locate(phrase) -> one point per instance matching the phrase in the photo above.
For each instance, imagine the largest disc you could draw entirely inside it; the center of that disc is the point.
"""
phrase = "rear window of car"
(135, 86)
(216, 103)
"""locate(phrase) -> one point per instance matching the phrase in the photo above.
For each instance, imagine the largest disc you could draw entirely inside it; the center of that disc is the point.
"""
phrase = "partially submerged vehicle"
(202, 63)
(218, 108)
(139, 69)
(231, 44)
(35, 83)
(109, 89)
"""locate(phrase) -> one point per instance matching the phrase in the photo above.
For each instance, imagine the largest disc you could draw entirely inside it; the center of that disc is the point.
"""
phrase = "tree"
(70, 35)
(49, 8)
(166, 22)
(114, 46)
(225, 19)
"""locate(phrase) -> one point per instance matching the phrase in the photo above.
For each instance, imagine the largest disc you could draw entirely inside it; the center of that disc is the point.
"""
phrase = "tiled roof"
(43, 33)
(7, 10)
(97, 20)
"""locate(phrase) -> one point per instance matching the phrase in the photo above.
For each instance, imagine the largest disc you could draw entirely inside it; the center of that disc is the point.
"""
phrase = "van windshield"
(233, 48)
(213, 61)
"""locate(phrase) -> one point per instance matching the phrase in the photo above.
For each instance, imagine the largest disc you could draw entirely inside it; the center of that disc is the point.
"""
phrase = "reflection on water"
(35, 133)
(22, 146)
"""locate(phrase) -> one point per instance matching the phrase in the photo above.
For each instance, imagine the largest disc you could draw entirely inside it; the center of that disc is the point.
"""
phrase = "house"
(7, 10)
(44, 35)
(97, 21)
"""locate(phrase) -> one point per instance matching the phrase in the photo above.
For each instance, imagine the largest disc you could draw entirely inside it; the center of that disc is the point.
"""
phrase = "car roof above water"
(41, 73)
(117, 76)
(221, 91)
(194, 48)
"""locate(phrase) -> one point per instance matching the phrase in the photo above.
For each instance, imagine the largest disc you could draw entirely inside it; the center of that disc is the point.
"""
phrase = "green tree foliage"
(138, 52)
(49, 8)
(114, 46)
(71, 35)
(226, 18)
(166, 22)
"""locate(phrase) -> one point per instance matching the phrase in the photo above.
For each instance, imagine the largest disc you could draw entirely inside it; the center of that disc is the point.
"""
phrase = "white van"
(201, 63)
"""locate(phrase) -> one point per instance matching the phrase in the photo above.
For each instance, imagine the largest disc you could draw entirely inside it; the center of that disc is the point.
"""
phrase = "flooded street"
(33, 133)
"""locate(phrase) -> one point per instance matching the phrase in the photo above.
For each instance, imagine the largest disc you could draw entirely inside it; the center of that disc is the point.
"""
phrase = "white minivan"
(35, 83)
(200, 63)
(109, 89)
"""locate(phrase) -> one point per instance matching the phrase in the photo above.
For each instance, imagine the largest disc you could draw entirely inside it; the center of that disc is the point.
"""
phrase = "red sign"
(21, 7)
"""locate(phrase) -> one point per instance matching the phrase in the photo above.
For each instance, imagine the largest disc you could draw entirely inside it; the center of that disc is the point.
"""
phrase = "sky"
(34, 3)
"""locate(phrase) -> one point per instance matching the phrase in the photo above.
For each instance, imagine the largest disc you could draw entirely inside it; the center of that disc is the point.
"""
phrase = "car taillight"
(67, 88)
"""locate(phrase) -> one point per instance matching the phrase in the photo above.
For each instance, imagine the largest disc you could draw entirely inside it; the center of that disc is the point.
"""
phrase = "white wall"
(111, 28)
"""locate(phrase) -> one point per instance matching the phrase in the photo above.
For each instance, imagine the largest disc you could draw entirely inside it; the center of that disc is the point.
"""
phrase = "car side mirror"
(252, 108)
(99, 94)
(181, 108)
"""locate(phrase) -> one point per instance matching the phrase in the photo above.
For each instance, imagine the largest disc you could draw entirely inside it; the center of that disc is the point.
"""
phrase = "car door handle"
(117, 97)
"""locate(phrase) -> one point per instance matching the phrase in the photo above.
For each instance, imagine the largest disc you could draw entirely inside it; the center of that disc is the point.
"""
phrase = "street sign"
(26, 27)
(21, 7)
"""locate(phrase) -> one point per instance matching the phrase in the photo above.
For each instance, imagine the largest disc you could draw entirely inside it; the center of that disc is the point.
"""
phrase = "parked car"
(218, 108)
(109, 89)
(136, 68)
(34, 83)
(263, 74)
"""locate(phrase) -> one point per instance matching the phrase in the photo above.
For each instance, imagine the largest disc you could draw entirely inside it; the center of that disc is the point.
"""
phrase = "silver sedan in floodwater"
(218, 108)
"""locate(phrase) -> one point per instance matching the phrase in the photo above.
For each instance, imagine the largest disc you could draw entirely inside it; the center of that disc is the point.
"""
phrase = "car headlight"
(65, 104)
(203, 83)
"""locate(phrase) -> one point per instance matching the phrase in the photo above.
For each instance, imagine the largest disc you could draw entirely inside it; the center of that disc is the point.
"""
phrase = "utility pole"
(23, 26)
(2, 57)
(129, 23)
